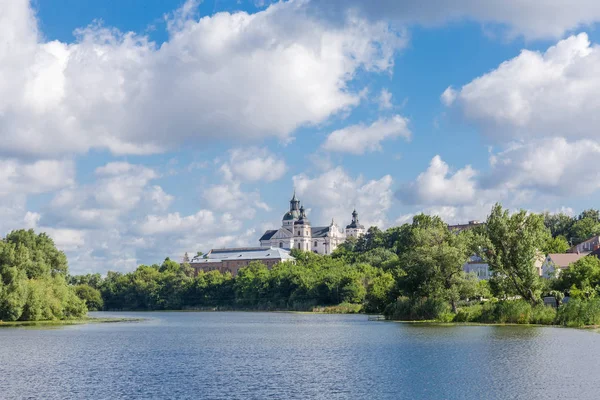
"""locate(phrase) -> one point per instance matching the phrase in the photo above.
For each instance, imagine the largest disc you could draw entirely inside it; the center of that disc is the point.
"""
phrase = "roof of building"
(563, 260)
(244, 253)
(574, 248)
(462, 227)
(268, 234)
(319, 231)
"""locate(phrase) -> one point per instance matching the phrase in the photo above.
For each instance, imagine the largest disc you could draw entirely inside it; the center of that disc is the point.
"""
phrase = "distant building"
(588, 245)
(231, 260)
(296, 232)
(555, 263)
(477, 266)
(480, 268)
(462, 227)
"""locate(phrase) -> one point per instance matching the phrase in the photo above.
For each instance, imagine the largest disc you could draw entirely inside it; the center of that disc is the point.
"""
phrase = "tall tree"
(513, 247)
(435, 259)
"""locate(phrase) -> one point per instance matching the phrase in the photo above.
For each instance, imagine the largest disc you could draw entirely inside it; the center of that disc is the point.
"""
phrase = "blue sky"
(137, 130)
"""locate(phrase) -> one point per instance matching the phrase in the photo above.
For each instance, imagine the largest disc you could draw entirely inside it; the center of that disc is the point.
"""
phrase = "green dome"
(291, 215)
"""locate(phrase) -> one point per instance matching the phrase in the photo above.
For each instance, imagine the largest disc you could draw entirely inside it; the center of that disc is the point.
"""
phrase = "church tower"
(302, 231)
(291, 216)
(355, 229)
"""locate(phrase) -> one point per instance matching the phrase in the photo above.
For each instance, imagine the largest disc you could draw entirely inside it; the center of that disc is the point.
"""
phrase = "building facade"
(231, 260)
(296, 232)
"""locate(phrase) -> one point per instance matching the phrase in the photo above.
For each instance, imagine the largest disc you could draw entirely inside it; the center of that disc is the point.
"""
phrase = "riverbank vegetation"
(33, 283)
(410, 272)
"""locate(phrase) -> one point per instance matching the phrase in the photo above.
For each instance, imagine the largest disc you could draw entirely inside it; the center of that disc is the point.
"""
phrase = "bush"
(469, 313)
(513, 312)
(576, 313)
(543, 315)
(419, 309)
(343, 308)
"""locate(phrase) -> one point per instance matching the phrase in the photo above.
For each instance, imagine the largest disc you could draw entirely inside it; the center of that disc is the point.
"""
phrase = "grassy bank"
(576, 313)
(63, 322)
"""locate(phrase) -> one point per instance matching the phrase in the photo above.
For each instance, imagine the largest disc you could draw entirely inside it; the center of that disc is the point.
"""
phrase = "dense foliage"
(409, 272)
(32, 280)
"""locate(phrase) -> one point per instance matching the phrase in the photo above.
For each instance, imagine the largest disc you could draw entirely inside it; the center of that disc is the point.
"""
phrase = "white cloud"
(358, 139)
(120, 188)
(36, 177)
(385, 99)
(551, 94)
(438, 185)
(230, 197)
(161, 199)
(448, 96)
(212, 79)
(334, 194)
(533, 19)
(174, 222)
(253, 164)
(550, 166)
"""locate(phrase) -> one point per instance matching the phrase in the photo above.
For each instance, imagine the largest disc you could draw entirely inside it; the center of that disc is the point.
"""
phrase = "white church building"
(297, 233)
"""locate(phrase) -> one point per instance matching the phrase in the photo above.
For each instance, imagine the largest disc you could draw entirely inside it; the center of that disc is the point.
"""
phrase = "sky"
(139, 129)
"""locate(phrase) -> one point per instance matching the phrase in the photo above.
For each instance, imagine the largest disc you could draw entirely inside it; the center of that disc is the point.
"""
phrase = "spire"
(294, 202)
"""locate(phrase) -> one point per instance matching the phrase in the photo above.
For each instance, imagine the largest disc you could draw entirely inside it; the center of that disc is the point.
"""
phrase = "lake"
(235, 355)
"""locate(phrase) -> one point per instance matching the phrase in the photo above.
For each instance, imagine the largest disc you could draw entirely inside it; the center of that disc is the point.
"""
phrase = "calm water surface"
(295, 356)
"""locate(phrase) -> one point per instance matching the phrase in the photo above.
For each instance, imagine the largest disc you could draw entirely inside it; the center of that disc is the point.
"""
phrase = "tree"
(33, 275)
(434, 261)
(559, 224)
(584, 228)
(583, 274)
(91, 296)
(513, 243)
(556, 245)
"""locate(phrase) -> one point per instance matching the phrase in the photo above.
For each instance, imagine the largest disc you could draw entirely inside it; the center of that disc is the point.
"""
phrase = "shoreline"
(66, 322)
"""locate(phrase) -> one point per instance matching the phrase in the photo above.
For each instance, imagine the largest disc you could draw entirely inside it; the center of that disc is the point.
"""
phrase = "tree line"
(409, 272)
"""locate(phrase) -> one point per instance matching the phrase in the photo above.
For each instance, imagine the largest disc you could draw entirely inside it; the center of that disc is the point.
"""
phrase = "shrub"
(513, 311)
(419, 310)
(469, 313)
(577, 312)
(343, 308)
(543, 315)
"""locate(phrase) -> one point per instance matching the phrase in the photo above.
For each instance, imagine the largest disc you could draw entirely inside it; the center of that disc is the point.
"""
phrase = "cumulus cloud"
(532, 19)
(550, 94)
(119, 188)
(229, 196)
(253, 164)
(334, 194)
(34, 177)
(550, 166)
(358, 139)
(438, 185)
(213, 78)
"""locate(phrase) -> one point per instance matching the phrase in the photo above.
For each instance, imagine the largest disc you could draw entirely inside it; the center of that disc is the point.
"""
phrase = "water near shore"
(236, 355)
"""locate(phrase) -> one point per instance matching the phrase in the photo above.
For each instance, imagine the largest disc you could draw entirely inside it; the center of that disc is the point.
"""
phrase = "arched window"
(280, 244)
(298, 233)
(315, 243)
(298, 245)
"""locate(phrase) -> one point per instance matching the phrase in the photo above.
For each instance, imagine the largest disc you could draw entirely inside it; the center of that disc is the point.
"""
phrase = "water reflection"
(297, 356)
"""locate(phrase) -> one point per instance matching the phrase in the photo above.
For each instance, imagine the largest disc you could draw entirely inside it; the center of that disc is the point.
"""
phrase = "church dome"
(291, 215)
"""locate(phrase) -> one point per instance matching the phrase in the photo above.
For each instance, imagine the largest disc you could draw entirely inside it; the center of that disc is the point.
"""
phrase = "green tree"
(91, 296)
(583, 274)
(434, 261)
(512, 249)
(556, 245)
